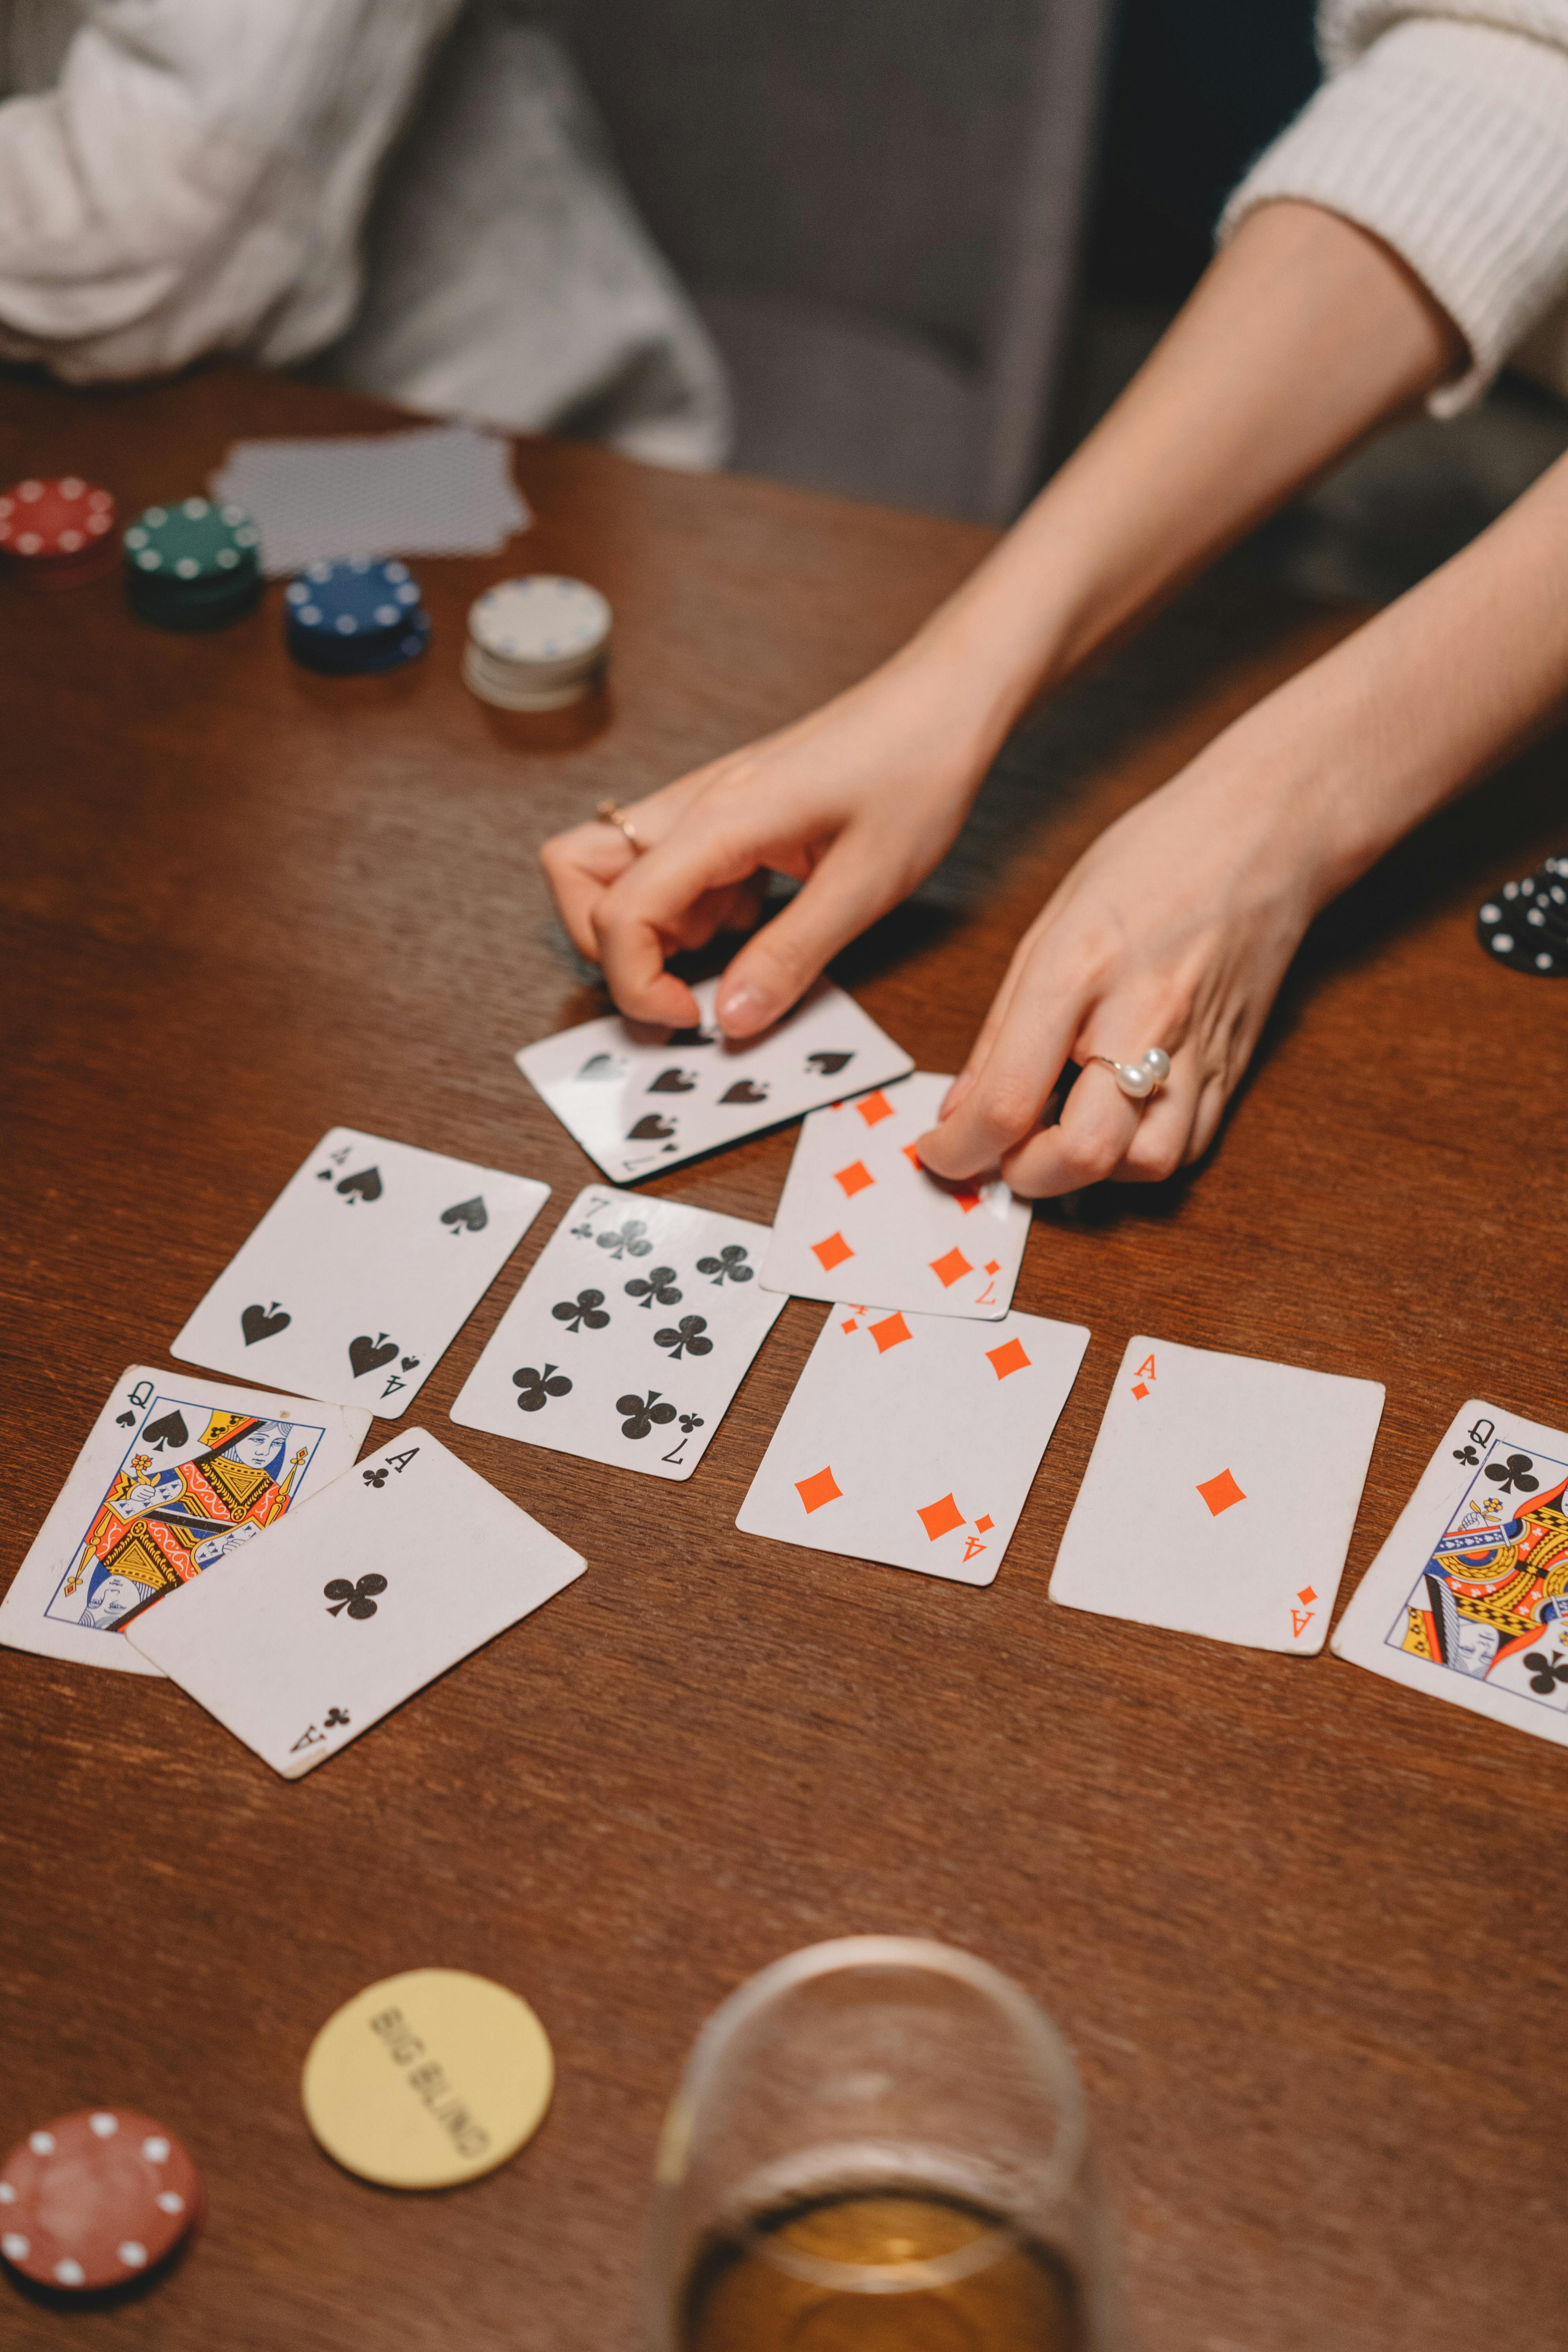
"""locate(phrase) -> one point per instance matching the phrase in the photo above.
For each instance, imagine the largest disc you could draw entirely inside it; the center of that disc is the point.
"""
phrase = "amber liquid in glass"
(740, 2298)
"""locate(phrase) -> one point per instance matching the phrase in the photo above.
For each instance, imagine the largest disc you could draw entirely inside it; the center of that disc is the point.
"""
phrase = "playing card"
(363, 1271)
(437, 490)
(630, 1337)
(859, 1213)
(1220, 1497)
(398, 1569)
(637, 1098)
(914, 1439)
(1467, 1598)
(177, 1474)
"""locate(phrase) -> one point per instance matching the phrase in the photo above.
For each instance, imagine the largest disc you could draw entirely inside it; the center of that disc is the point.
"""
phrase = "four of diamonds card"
(630, 1337)
(914, 1439)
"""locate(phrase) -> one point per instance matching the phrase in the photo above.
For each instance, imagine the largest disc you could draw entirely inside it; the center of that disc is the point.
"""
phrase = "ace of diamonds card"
(363, 1272)
(914, 1439)
(1220, 1497)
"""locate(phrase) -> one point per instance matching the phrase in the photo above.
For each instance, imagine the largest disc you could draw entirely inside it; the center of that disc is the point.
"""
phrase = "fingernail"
(956, 1094)
(744, 1008)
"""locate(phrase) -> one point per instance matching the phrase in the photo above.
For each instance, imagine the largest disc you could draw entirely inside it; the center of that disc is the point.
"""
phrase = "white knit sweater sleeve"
(1443, 129)
(196, 178)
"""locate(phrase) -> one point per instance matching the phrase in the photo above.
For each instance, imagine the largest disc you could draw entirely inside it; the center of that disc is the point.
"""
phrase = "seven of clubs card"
(177, 1474)
(1469, 1598)
(860, 1214)
(363, 1272)
(1220, 1497)
(630, 1337)
(914, 1439)
(403, 1566)
(637, 1098)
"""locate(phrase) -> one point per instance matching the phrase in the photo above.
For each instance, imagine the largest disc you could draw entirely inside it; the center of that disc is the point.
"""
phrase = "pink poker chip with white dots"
(94, 2200)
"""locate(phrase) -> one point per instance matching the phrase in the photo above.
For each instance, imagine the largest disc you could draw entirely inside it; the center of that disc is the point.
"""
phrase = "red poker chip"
(96, 2198)
(55, 532)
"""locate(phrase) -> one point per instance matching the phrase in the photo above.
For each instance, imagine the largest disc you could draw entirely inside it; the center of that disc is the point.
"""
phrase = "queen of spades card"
(159, 1525)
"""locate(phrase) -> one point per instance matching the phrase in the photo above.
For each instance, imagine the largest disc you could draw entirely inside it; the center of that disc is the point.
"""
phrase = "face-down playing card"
(859, 1213)
(629, 1337)
(1220, 1497)
(1469, 1598)
(403, 1566)
(363, 1271)
(177, 1474)
(914, 1439)
(639, 1099)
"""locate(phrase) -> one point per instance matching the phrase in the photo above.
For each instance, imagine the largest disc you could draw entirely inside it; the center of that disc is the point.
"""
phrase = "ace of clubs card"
(629, 1337)
(1467, 1600)
(363, 1271)
(177, 1474)
(1220, 1497)
(405, 1564)
(860, 1214)
(914, 1439)
(637, 1098)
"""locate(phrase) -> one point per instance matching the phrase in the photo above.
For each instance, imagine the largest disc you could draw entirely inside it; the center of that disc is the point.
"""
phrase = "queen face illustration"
(257, 1449)
(113, 1598)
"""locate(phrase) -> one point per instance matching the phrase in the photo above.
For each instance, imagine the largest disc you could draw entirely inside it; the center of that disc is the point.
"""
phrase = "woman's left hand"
(1173, 930)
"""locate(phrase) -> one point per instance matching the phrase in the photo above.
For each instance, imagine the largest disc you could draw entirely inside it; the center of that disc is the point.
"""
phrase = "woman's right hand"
(857, 802)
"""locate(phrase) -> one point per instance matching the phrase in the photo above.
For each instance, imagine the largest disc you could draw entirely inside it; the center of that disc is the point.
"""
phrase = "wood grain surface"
(1305, 1929)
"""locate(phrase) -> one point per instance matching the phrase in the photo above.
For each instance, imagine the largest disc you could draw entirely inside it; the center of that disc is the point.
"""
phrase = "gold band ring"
(608, 814)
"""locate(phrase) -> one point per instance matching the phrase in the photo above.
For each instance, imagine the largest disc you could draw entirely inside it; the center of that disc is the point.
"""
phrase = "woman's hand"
(1174, 929)
(857, 802)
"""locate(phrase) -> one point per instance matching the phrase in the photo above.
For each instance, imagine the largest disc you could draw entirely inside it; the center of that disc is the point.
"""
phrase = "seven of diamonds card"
(177, 1474)
(630, 1336)
(914, 1439)
(860, 1214)
(640, 1098)
(1469, 1598)
(1220, 1498)
(363, 1272)
(408, 1563)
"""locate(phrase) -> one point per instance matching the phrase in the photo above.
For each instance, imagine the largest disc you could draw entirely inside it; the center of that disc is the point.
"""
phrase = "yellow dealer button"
(427, 2078)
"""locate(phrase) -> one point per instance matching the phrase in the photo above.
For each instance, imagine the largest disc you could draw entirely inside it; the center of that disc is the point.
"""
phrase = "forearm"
(1303, 335)
(1354, 750)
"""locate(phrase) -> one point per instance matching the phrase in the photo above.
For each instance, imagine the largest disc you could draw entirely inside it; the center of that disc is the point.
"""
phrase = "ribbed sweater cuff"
(1449, 141)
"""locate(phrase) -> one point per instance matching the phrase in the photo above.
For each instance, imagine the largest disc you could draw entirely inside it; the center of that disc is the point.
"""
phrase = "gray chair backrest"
(922, 163)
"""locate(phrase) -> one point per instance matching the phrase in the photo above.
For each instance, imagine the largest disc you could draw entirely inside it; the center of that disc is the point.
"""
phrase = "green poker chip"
(192, 543)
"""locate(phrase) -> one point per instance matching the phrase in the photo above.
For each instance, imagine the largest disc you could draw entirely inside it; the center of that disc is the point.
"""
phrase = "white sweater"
(180, 177)
(1443, 129)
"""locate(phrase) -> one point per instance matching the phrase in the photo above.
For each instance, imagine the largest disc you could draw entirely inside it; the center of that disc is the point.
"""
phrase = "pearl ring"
(1141, 1077)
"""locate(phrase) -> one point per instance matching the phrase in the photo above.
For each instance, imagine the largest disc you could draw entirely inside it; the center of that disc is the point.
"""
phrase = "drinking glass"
(880, 2145)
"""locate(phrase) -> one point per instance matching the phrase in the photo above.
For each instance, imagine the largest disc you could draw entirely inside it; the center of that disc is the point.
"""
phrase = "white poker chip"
(543, 619)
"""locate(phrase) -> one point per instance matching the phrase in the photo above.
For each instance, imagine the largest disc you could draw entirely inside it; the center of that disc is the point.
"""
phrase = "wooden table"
(1305, 1929)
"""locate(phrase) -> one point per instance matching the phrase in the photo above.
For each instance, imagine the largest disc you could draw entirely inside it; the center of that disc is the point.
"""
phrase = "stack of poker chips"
(1526, 925)
(57, 534)
(355, 616)
(536, 643)
(193, 565)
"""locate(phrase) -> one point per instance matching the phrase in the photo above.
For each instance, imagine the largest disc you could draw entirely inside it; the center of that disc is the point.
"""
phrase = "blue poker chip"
(357, 601)
(358, 655)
